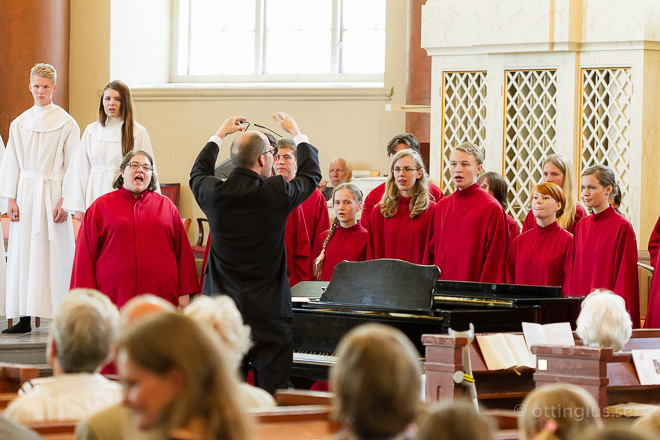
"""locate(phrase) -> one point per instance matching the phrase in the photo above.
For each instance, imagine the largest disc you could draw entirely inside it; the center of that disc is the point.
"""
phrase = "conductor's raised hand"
(231, 125)
(287, 123)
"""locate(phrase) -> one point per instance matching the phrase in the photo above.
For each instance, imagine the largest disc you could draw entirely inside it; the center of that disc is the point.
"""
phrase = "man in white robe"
(41, 143)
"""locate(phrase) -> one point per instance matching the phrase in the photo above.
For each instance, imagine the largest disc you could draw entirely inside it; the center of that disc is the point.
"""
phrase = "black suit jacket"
(247, 217)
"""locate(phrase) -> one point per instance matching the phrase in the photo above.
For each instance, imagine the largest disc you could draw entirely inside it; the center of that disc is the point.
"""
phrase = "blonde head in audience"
(604, 320)
(455, 420)
(222, 316)
(177, 379)
(83, 330)
(571, 407)
(407, 178)
(376, 381)
(116, 102)
(141, 306)
(649, 424)
(558, 169)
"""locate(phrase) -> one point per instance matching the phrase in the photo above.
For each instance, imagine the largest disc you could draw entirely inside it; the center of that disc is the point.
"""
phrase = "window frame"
(180, 52)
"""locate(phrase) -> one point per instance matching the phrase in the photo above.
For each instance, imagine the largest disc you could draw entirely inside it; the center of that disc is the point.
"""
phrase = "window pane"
(222, 14)
(311, 51)
(363, 14)
(297, 14)
(223, 53)
(363, 52)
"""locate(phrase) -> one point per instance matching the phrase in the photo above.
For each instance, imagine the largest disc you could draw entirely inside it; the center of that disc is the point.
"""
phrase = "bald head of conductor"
(252, 150)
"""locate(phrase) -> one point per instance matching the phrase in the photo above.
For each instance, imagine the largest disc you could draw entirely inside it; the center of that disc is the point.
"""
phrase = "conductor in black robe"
(247, 216)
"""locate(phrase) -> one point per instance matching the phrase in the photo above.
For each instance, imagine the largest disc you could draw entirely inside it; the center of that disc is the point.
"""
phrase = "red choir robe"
(298, 250)
(129, 246)
(375, 195)
(317, 220)
(540, 257)
(653, 311)
(530, 220)
(348, 244)
(605, 257)
(400, 237)
(471, 237)
(513, 228)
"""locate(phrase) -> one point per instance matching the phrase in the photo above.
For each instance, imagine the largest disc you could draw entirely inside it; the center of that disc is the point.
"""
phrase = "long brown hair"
(389, 204)
(126, 110)
(169, 341)
(567, 219)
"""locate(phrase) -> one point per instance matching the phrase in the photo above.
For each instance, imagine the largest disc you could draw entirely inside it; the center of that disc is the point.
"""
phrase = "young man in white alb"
(42, 141)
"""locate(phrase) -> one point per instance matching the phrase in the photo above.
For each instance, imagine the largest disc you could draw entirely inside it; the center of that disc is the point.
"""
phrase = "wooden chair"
(199, 248)
(172, 191)
(186, 224)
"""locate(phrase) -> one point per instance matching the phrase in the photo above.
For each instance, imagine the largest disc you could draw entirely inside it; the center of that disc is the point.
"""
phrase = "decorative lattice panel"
(530, 131)
(606, 110)
(463, 115)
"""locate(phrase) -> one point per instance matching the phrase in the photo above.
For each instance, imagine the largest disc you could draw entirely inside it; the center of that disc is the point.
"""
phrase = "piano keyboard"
(314, 358)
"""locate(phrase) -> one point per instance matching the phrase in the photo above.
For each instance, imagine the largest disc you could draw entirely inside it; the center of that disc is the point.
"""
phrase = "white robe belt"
(40, 200)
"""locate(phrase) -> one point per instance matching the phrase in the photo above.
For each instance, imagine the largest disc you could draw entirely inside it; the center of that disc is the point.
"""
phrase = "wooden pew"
(12, 376)
(294, 423)
(61, 429)
(505, 388)
(495, 389)
(610, 377)
(303, 398)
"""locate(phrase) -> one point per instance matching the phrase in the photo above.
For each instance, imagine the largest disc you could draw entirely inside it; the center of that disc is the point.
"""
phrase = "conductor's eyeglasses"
(136, 166)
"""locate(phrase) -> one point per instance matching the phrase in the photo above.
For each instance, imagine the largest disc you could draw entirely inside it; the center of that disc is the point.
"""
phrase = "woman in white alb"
(102, 147)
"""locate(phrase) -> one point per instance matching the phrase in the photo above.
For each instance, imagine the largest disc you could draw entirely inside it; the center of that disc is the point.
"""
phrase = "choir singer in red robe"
(495, 185)
(559, 170)
(132, 240)
(471, 238)
(604, 245)
(653, 313)
(346, 239)
(542, 256)
(399, 225)
(399, 142)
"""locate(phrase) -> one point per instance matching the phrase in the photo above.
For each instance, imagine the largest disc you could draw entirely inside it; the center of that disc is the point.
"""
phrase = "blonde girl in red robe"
(399, 224)
(604, 245)
(559, 170)
(346, 239)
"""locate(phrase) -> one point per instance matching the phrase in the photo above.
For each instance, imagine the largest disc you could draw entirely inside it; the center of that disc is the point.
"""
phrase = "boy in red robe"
(471, 235)
(653, 312)
(399, 142)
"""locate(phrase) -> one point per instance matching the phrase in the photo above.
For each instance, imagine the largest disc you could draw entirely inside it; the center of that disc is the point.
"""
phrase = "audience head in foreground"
(177, 380)
(83, 331)
(571, 407)
(377, 382)
(604, 321)
(456, 420)
(221, 316)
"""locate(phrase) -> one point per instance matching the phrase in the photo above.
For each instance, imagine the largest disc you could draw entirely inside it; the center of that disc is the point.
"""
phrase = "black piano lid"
(382, 283)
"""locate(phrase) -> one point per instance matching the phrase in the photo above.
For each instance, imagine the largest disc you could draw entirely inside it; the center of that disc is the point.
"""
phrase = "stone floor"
(28, 348)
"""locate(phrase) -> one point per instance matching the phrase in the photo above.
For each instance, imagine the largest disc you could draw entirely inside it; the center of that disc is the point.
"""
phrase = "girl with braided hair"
(346, 239)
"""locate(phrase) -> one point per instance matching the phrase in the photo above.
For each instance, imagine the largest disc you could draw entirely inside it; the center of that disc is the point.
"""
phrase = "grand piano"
(411, 298)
